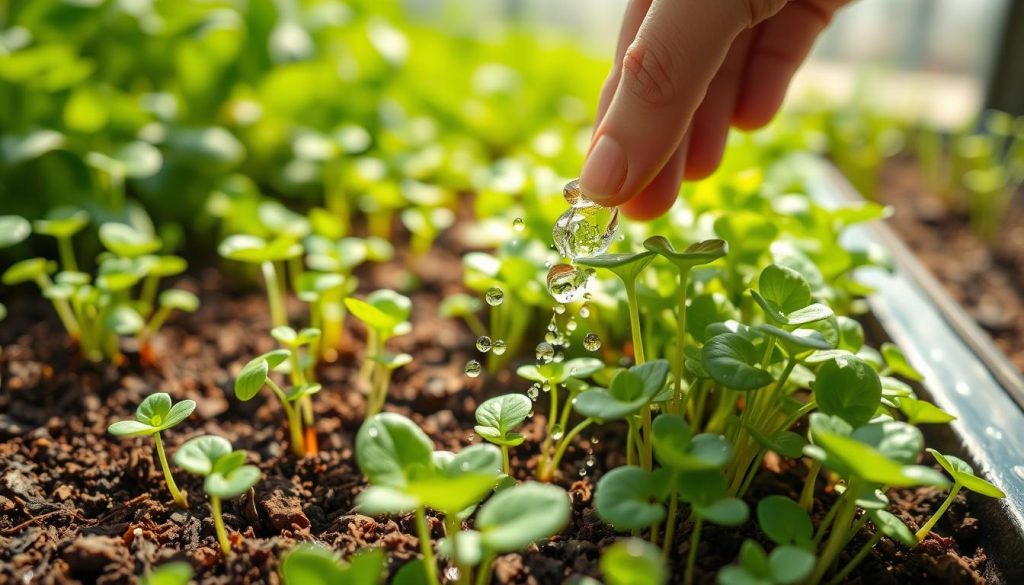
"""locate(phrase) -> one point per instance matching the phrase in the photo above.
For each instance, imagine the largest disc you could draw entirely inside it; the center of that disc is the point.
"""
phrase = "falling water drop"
(591, 342)
(494, 296)
(571, 325)
(533, 392)
(545, 352)
(472, 368)
(483, 343)
(498, 347)
(557, 432)
(559, 309)
(518, 224)
(586, 228)
(567, 283)
(584, 312)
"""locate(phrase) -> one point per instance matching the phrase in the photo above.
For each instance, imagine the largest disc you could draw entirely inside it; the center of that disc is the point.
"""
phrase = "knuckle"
(647, 72)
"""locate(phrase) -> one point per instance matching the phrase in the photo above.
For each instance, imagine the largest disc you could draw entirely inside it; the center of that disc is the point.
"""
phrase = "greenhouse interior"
(424, 292)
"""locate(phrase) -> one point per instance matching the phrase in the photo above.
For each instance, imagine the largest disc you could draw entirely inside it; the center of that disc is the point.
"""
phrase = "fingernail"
(604, 172)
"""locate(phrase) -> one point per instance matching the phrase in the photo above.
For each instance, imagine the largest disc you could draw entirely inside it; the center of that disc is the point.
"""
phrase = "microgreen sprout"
(496, 421)
(963, 477)
(308, 563)
(633, 562)
(173, 573)
(155, 414)
(256, 374)
(225, 471)
(385, 314)
(62, 224)
(268, 255)
(301, 359)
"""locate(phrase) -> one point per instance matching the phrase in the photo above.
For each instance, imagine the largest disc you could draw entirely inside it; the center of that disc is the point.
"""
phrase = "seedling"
(313, 564)
(963, 477)
(225, 471)
(256, 374)
(255, 250)
(385, 314)
(173, 573)
(300, 368)
(694, 255)
(62, 224)
(551, 377)
(497, 419)
(633, 562)
(786, 524)
(14, 229)
(155, 414)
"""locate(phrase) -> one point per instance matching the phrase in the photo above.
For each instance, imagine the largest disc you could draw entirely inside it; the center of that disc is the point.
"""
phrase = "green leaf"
(383, 310)
(181, 300)
(412, 573)
(173, 573)
(153, 410)
(124, 320)
(731, 360)
(62, 222)
(633, 562)
(497, 417)
(298, 392)
(630, 390)
(798, 341)
(891, 526)
(127, 242)
(784, 521)
(963, 473)
(13, 230)
(626, 266)
(849, 388)
(391, 449)
(705, 309)
(724, 512)
(233, 483)
(560, 372)
(28, 271)
(198, 455)
(169, 265)
(376, 500)
(896, 440)
(790, 564)
(131, 428)
(311, 565)
(251, 379)
(674, 447)
(923, 412)
(695, 254)
(851, 334)
(852, 458)
(516, 517)
(785, 288)
(897, 362)
(630, 497)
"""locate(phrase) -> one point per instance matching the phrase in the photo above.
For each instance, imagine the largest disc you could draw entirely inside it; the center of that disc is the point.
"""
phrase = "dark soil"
(986, 278)
(79, 506)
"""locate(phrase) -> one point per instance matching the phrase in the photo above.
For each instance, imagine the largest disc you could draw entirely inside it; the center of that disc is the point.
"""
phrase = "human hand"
(685, 70)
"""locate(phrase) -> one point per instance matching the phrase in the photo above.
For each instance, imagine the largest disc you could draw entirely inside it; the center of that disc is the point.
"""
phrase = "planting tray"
(965, 374)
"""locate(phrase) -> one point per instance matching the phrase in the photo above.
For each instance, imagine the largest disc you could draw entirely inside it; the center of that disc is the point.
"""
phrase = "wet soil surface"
(987, 278)
(80, 506)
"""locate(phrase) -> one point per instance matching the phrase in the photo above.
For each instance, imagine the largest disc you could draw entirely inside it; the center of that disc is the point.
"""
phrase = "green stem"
(179, 498)
(426, 548)
(483, 575)
(670, 523)
(294, 421)
(565, 442)
(807, 493)
(677, 398)
(148, 294)
(634, 323)
(826, 522)
(67, 254)
(924, 530)
(475, 325)
(218, 525)
(278, 317)
(837, 538)
(647, 452)
(691, 557)
(630, 439)
(857, 559)
(63, 307)
(505, 466)
(451, 530)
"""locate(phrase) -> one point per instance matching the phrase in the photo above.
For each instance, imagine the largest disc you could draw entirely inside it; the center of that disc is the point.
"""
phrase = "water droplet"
(583, 472)
(530, 415)
(533, 392)
(373, 432)
(571, 325)
(546, 387)
(584, 312)
(557, 432)
(591, 342)
(451, 574)
(559, 309)
(595, 440)
(590, 460)
(545, 352)
(472, 368)
(471, 437)
(518, 224)
(550, 338)
(994, 433)
(494, 296)
(483, 343)
(586, 228)
(499, 347)
(567, 283)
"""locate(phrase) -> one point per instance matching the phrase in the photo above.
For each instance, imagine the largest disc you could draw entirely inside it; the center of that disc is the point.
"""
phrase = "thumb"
(665, 73)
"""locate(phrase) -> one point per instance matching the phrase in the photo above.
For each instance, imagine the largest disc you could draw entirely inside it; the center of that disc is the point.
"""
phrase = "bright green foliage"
(13, 230)
(629, 391)
(385, 314)
(173, 573)
(256, 374)
(633, 562)
(848, 388)
(498, 417)
(963, 477)
(784, 566)
(316, 565)
(733, 362)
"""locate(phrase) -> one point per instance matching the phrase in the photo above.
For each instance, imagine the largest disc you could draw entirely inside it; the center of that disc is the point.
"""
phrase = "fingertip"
(652, 202)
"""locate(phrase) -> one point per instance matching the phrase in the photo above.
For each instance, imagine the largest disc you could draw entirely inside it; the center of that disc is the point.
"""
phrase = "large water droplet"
(559, 309)
(586, 228)
(545, 352)
(533, 392)
(571, 325)
(557, 432)
(591, 342)
(499, 347)
(483, 343)
(518, 224)
(494, 296)
(472, 368)
(584, 312)
(567, 283)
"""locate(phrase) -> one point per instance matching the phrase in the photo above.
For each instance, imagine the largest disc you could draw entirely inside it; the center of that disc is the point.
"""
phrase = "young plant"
(963, 477)
(633, 562)
(225, 471)
(551, 377)
(155, 414)
(385, 314)
(787, 525)
(173, 573)
(497, 420)
(407, 475)
(694, 255)
(62, 224)
(256, 374)
(311, 564)
(323, 292)
(301, 360)
(627, 267)
(268, 255)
